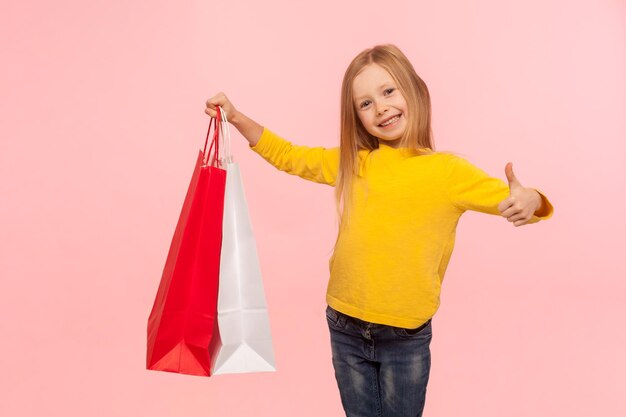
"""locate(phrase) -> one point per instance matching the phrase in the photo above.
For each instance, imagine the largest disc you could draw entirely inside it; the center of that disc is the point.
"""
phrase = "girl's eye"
(362, 104)
(390, 90)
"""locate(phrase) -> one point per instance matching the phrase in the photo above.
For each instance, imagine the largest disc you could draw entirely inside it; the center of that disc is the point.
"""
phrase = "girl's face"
(377, 100)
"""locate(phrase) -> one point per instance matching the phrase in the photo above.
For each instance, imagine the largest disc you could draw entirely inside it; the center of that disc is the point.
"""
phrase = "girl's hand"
(221, 100)
(522, 202)
(250, 129)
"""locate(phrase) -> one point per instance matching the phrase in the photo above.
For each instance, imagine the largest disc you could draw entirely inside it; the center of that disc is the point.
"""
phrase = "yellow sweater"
(389, 264)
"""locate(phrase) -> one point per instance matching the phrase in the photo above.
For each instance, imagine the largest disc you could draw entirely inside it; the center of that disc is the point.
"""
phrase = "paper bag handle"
(215, 141)
(225, 133)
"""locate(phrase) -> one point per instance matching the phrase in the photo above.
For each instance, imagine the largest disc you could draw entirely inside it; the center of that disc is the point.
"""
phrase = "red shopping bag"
(182, 327)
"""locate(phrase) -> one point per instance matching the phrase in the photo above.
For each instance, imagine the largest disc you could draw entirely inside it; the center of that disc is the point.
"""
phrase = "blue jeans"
(381, 371)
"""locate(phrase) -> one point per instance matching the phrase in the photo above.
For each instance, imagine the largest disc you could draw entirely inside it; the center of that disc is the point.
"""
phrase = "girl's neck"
(392, 145)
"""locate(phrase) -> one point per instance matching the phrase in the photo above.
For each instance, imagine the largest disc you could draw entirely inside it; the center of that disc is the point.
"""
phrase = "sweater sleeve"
(471, 188)
(316, 164)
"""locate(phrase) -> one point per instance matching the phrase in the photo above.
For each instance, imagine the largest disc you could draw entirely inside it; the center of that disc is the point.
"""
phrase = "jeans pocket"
(335, 318)
(422, 331)
(332, 315)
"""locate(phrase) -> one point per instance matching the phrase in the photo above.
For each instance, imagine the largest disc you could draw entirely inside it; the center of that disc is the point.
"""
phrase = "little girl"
(401, 204)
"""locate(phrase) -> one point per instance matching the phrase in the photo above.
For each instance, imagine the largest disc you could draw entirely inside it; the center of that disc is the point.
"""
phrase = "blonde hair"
(416, 140)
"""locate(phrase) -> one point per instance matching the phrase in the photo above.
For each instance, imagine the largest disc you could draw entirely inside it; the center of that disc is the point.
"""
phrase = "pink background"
(102, 115)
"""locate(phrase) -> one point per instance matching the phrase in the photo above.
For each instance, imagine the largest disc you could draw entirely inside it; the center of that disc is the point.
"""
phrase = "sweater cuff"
(546, 210)
(262, 143)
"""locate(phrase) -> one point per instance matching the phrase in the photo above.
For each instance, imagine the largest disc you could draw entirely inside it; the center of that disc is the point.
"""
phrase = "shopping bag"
(182, 326)
(243, 319)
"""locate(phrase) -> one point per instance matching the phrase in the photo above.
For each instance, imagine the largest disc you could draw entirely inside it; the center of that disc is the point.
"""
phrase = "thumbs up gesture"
(522, 202)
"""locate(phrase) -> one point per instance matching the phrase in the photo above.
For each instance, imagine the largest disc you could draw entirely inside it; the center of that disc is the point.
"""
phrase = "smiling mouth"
(391, 120)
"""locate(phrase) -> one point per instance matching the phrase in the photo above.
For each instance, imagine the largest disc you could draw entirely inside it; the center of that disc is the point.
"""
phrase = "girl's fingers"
(217, 100)
(212, 103)
(510, 211)
(211, 107)
(505, 204)
(518, 217)
(212, 113)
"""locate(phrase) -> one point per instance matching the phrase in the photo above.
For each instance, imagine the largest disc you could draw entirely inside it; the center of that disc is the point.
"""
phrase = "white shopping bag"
(243, 319)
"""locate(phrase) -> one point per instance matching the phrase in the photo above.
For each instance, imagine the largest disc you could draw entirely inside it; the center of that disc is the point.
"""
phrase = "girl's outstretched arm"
(316, 164)
(471, 188)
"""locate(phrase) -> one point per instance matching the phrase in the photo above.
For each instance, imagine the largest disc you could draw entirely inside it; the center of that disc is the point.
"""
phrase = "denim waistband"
(363, 322)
